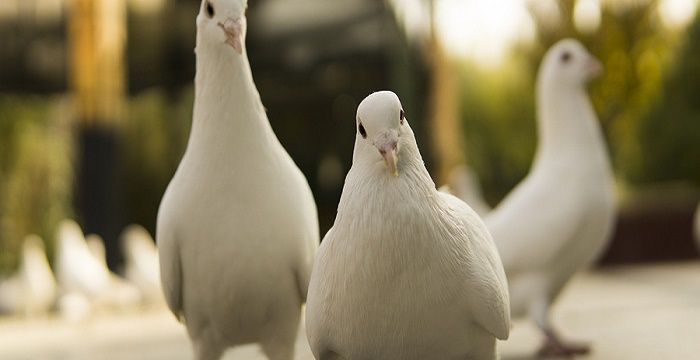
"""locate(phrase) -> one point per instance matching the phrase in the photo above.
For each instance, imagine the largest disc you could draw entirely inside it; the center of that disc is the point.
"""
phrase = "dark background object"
(97, 191)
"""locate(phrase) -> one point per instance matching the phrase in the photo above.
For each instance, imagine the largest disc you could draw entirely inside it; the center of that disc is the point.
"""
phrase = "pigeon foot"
(554, 347)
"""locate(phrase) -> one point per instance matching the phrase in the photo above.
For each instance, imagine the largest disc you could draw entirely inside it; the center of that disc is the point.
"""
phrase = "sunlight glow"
(677, 13)
(146, 6)
(547, 12)
(48, 9)
(483, 30)
(587, 16)
(414, 15)
(8, 9)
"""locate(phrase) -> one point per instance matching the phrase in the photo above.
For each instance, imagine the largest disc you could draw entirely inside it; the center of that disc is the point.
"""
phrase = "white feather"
(237, 227)
(406, 272)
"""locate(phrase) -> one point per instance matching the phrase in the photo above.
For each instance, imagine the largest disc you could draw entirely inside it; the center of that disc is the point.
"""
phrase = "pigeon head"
(135, 239)
(569, 62)
(97, 247)
(223, 22)
(33, 248)
(381, 122)
(70, 234)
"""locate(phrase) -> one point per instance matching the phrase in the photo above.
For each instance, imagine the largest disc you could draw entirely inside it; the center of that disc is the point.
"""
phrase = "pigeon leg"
(554, 345)
(331, 356)
(278, 341)
(206, 349)
(284, 351)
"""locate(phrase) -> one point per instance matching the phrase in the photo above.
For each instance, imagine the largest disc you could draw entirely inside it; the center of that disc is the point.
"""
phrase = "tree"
(670, 135)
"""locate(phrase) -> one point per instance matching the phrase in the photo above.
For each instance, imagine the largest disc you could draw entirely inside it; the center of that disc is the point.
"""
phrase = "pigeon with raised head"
(32, 290)
(237, 227)
(559, 219)
(406, 271)
(141, 263)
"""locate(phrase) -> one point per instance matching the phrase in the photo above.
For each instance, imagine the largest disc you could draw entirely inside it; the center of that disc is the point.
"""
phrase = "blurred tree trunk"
(97, 33)
(443, 104)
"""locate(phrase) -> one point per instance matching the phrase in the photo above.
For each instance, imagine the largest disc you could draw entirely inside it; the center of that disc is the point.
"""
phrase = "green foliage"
(36, 169)
(670, 135)
(499, 125)
(634, 49)
(35, 172)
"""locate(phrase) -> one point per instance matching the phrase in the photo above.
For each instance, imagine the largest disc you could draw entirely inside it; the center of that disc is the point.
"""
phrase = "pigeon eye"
(362, 131)
(403, 117)
(565, 57)
(210, 10)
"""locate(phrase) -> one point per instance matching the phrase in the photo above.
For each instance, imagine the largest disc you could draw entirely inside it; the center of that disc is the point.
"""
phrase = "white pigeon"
(119, 294)
(406, 271)
(77, 269)
(237, 227)
(82, 272)
(141, 263)
(32, 291)
(559, 219)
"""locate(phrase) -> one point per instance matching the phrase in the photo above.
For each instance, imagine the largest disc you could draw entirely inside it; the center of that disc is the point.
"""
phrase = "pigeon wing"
(534, 223)
(171, 274)
(488, 297)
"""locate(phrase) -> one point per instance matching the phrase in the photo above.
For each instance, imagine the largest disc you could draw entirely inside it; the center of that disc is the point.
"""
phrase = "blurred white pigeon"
(97, 247)
(559, 219)
(142, 266)
(74, 307)
(77, 269)
(82, 270)
(406, 272)
(119, 294)
(32, 290)
(237, 227)
(463, 183)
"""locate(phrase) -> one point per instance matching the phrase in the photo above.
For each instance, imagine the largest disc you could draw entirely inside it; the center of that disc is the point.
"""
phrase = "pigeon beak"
(593, 67)
(390, 156)
(233, 30)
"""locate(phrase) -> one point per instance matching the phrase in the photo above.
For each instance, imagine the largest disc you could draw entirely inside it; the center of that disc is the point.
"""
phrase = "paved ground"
(639, 313)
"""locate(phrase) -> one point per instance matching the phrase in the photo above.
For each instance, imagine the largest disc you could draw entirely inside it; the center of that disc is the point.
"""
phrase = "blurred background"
(96, 103)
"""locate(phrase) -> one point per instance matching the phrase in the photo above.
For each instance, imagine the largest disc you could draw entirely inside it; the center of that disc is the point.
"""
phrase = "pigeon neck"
(567, 124)
(370, 187)
(34, 259)
(391, 218)
(227, 108)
